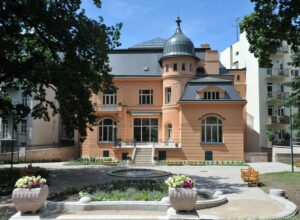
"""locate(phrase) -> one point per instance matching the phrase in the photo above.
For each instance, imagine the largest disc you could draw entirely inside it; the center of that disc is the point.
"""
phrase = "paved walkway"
(225, 178)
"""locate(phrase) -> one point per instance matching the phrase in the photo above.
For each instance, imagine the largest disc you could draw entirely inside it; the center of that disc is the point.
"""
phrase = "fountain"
(138, 173)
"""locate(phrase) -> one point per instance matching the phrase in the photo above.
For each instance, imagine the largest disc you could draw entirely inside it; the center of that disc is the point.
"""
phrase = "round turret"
(178, 44)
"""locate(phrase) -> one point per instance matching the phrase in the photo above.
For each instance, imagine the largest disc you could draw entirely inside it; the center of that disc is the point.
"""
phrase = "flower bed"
(131, 190)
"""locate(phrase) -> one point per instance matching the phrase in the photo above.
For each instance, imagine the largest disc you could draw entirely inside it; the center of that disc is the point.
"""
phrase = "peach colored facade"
(180, 121)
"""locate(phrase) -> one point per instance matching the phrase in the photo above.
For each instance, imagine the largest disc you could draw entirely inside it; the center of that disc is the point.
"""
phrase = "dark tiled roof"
(135, 64)
(139, 62)
(190, 92)
(153, 43)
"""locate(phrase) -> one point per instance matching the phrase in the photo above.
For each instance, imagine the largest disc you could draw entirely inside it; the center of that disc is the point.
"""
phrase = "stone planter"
(129, 162)
(29, 200)
(183, 199)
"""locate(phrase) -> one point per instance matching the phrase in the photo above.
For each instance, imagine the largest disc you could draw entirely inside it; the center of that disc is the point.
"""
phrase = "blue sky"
(204, 21)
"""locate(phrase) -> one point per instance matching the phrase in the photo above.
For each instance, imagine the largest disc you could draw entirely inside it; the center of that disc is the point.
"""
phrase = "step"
(142, 160)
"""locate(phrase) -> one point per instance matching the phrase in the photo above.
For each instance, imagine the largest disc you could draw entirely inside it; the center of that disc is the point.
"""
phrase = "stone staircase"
(143, 157)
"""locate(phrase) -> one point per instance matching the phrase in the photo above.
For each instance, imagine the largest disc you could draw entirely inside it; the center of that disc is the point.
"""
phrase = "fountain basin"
(138, 173)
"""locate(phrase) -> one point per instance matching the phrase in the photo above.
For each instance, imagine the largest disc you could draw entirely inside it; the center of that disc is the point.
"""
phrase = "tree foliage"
(271, 23)
(52, 46)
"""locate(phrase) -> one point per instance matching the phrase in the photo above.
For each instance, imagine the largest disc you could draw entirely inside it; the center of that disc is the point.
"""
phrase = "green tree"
(271, 23)
(49, 44)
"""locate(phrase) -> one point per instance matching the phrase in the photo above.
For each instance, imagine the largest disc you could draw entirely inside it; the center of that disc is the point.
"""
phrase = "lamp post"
(12, 139)
(291, 139)
(12, 144)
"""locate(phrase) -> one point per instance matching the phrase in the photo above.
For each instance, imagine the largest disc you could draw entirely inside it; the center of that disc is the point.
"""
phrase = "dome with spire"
(178, 44)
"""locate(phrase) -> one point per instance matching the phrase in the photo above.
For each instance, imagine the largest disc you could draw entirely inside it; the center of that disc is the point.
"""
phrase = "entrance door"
(146, 129)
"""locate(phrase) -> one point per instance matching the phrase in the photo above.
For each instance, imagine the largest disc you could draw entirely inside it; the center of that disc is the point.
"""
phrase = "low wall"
(283, 154)
(252, 157)
(44, 154)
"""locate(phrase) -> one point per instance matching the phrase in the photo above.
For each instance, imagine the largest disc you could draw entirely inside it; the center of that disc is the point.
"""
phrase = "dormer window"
(211, 95)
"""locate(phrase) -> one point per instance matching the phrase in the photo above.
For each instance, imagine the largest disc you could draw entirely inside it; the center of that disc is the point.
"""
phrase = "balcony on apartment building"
(282, 50)
(121, 143)
(277, 120)
(6, 143)
(277, 73)
(277, 96)
(107, 108)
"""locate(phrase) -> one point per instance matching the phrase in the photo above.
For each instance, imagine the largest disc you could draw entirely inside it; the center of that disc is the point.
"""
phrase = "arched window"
(107, 130)
(200, 71)
(212, 131)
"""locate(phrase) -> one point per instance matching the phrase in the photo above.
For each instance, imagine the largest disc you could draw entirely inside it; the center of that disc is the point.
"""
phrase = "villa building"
(267, 118)
(173, 102)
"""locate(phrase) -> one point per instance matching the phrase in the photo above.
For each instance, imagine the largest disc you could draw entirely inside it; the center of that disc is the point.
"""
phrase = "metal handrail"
(134, 151)
(157, 142)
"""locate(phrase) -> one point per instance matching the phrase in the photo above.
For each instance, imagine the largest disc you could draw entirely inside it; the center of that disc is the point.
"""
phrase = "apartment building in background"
(29, 132)
(267, 117)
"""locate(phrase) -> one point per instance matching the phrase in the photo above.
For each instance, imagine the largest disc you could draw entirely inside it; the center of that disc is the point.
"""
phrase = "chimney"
(205, 46)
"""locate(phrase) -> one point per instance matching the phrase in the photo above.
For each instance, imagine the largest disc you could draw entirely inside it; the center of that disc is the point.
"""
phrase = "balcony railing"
(6, 145)
(273, 96)
(282, 49)
(119, 143)
(107, 108)
(277, 73)
(274, 119)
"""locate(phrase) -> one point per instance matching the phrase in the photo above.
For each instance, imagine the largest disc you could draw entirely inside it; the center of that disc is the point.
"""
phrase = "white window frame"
(280, 111)
(270, 107)
(168, 95)
(146, 98)
(109, 128)
(175, 65)
(211, 95)
(170, 132)
(109, 99)
(23, 126)
(24, 100)
(167, 67)
(206, 126)
(5, 131)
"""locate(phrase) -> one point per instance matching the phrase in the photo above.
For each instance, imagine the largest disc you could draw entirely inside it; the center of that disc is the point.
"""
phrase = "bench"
(250, 176)
(246, 171)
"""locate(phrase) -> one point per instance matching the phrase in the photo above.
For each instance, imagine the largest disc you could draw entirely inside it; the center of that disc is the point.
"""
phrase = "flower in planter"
(29, 182)
(180, 181)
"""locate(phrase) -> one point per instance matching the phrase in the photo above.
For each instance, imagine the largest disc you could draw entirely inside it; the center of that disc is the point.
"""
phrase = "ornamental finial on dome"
(178, 21)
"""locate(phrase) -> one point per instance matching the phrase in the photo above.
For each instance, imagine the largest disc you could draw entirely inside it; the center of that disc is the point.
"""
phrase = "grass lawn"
(288, 181)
